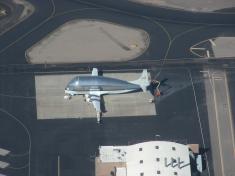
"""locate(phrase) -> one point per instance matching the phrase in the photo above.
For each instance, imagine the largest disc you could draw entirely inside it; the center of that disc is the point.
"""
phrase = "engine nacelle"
(87, 98)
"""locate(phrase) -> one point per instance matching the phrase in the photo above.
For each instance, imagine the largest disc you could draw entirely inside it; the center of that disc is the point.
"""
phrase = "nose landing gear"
(67, 97)
(87, 98)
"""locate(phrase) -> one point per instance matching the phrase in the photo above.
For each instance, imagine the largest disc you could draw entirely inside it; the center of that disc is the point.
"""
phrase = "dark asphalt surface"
(17, 115)
(163, 13)
(231, 80)
(76, 141)
(176, 36)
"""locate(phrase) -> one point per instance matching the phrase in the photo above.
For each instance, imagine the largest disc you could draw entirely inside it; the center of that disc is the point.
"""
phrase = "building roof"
(154, 158)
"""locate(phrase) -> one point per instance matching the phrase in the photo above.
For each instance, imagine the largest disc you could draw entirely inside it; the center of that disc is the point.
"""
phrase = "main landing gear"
(98, 116)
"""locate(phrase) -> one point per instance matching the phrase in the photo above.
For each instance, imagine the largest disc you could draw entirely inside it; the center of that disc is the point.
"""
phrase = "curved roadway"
(172, 32)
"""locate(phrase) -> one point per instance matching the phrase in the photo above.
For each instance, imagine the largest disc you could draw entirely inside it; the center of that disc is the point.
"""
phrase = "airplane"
(95, 86)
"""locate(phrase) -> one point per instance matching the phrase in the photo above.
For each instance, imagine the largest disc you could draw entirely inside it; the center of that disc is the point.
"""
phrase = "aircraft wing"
(95, 100)
(94, 72)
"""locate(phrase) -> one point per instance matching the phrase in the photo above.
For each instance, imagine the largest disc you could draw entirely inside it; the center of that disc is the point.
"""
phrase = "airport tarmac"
(220, 121)
(76, 141)
(231, 85)
(51, 105)
(190, 5)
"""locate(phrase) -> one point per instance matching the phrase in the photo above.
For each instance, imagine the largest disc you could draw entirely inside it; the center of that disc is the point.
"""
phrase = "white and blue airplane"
(95, 86)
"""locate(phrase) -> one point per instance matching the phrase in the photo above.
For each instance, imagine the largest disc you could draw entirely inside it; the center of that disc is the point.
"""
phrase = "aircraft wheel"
(98, 115)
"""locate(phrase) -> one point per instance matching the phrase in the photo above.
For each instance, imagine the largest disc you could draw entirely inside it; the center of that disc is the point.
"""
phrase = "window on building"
(141, 174)
(173, 148)
(175, 173)
(140, 149)
(141, 161)
(157, 159)
(156, 147)
(158, 172)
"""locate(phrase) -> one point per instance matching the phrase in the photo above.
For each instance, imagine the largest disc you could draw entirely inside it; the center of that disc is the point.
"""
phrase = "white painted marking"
(3, 165)
(217, 125)
(203, 71)
(58, 165)
(199, 49)
(207, 53)
(212, 42)
(4, 152)
(199, 120)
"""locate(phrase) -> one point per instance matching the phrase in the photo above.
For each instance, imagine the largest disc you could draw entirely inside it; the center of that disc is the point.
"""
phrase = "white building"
(154, 158)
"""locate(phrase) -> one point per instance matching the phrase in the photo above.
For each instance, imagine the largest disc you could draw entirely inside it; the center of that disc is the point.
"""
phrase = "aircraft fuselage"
(105, 85)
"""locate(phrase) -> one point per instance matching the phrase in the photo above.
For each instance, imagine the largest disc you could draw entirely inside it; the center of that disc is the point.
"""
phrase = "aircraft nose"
(66, 88)
(69, 87)
(72, 84)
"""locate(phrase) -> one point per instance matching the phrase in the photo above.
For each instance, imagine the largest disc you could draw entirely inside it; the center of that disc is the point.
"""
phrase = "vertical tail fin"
(143, 80)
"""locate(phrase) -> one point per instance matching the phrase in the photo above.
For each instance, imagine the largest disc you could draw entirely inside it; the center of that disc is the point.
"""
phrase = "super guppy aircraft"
(95, 86)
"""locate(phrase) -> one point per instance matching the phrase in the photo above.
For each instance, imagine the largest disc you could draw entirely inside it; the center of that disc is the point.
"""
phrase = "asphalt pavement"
(182, 111)
(169, 39)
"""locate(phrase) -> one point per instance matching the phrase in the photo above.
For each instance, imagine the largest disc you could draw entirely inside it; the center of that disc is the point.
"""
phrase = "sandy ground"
(191, 5)
(89, 41)
(51, 105)
(224, 47)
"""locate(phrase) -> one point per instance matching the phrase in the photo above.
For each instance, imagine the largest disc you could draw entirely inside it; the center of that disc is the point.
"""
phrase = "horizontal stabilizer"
(143, 80)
